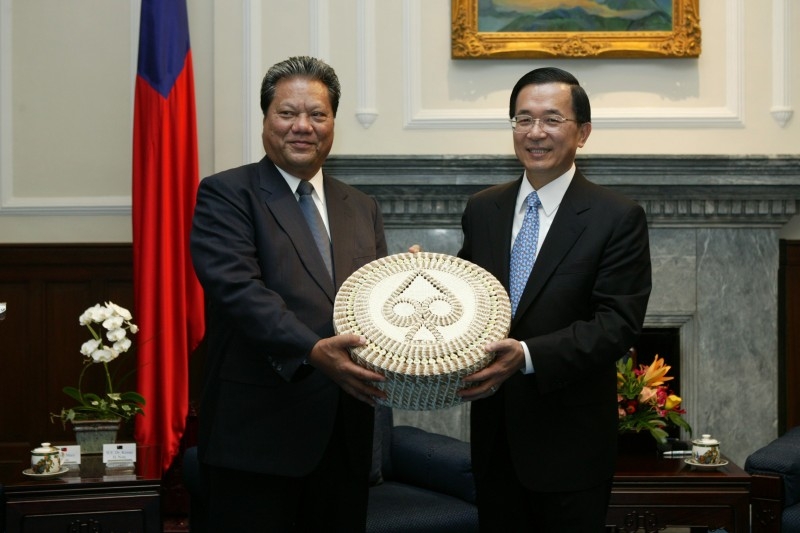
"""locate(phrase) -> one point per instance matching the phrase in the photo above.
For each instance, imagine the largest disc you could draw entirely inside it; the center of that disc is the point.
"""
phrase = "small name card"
(70, 455)
(119, 453)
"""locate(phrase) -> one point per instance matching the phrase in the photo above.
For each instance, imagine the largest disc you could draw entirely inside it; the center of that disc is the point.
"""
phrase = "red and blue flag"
(168, 297)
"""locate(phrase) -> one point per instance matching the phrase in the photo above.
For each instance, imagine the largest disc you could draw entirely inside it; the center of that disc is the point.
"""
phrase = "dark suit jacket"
(582, 309)
(269, 299)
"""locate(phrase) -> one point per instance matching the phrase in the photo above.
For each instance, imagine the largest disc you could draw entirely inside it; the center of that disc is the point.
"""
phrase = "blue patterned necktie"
(523, 253)
(315, 223)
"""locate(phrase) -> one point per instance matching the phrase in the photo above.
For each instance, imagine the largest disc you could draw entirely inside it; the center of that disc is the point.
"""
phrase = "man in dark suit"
(544, 419)
(286, 415)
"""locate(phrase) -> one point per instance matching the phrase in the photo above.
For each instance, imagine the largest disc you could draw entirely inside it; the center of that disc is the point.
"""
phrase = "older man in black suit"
(575, 258)
(286, 416)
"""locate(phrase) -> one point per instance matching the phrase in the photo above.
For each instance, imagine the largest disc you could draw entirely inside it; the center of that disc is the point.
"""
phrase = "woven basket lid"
(426, 318)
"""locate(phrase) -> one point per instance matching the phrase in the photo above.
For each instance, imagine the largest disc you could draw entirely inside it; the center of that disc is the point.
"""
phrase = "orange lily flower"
(656, 373)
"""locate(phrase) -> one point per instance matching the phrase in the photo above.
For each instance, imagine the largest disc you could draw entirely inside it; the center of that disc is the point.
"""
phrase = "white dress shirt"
(550, 197)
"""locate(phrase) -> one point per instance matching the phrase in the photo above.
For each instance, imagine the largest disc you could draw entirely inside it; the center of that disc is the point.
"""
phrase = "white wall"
(66, 102)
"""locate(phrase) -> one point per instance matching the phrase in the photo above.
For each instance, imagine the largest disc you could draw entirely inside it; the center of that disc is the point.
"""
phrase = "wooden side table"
(766, 503)
(651, 492)
(93, 500)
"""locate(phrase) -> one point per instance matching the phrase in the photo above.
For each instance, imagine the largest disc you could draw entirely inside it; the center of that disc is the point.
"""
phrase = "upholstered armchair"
(776, 484)
(421, 482)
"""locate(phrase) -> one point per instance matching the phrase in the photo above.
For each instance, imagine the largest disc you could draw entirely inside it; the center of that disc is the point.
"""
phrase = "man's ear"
(583, 133)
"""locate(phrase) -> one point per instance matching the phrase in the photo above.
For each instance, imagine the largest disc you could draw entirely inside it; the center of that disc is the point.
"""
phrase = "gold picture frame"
(470, 43)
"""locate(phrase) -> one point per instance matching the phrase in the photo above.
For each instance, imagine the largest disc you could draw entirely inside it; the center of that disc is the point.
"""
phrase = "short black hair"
(303, 67)
(541, 76)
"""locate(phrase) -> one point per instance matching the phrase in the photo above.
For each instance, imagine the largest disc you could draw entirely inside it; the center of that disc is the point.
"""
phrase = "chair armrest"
(781, 457)
(432, 461)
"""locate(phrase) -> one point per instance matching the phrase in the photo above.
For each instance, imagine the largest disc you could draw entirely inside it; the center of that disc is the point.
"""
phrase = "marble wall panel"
(737, 338)
(673, 256)
(453, 422)
(439, 240)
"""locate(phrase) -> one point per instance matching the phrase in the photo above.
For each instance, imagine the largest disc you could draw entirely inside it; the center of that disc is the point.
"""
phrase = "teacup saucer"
(30, 473)
(703, 466)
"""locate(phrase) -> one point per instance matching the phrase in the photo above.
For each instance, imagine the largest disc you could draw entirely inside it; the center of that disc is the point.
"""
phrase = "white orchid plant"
(109, 325)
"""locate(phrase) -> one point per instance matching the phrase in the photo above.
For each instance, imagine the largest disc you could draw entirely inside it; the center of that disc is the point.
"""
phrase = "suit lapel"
(343, 230)
(281, 201)
(564, 232)
(500, 245)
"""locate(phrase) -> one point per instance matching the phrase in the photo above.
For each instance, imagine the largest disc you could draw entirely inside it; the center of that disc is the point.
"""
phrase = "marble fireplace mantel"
(714, 225)
(674, 190)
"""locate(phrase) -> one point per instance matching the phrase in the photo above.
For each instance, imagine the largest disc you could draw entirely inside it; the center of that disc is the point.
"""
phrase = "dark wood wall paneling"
(789, 336)
(46, 288)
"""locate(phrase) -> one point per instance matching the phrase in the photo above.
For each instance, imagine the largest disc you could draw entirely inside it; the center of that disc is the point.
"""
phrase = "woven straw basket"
(426, 318)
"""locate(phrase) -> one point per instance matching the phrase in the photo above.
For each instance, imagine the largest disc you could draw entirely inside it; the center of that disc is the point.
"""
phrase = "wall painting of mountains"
(575, 28)
(574, 15)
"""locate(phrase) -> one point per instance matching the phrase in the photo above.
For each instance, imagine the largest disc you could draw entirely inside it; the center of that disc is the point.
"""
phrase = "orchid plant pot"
(96, 417)
(92, 434)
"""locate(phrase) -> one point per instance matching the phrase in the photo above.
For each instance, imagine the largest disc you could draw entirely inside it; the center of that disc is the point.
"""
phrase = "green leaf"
(659, 434)
(90, 397)
(133, 397)
(73, 393)
(676, 419)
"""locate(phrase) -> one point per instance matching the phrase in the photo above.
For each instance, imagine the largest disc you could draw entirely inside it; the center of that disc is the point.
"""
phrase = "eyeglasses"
(548, 123)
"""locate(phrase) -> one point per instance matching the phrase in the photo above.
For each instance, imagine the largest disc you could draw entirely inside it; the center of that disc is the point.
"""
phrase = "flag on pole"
(168, 297)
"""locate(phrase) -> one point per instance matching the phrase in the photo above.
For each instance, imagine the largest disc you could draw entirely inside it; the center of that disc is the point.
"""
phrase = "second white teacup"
(705, 450)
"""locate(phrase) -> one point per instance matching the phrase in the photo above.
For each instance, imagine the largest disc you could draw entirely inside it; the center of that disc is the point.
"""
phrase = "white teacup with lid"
(45, 459)
(705, 450)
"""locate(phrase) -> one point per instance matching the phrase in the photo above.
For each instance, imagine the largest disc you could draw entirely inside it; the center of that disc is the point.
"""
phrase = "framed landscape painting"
(483, 29)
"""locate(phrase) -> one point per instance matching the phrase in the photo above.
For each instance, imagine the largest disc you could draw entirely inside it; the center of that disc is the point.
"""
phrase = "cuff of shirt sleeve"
(528, 362)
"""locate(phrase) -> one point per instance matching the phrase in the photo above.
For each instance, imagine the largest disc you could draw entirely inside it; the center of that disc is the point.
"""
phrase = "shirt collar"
(293, 182)
(550, 195)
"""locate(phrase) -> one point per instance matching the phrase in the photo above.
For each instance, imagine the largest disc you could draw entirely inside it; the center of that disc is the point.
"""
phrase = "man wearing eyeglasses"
(575, 259)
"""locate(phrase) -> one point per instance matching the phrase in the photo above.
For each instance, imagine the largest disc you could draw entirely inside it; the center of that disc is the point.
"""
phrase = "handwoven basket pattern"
(426, 317)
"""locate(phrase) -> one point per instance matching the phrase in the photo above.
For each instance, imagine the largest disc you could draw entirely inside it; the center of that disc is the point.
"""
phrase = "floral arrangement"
(114, 323)
(645, 402)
